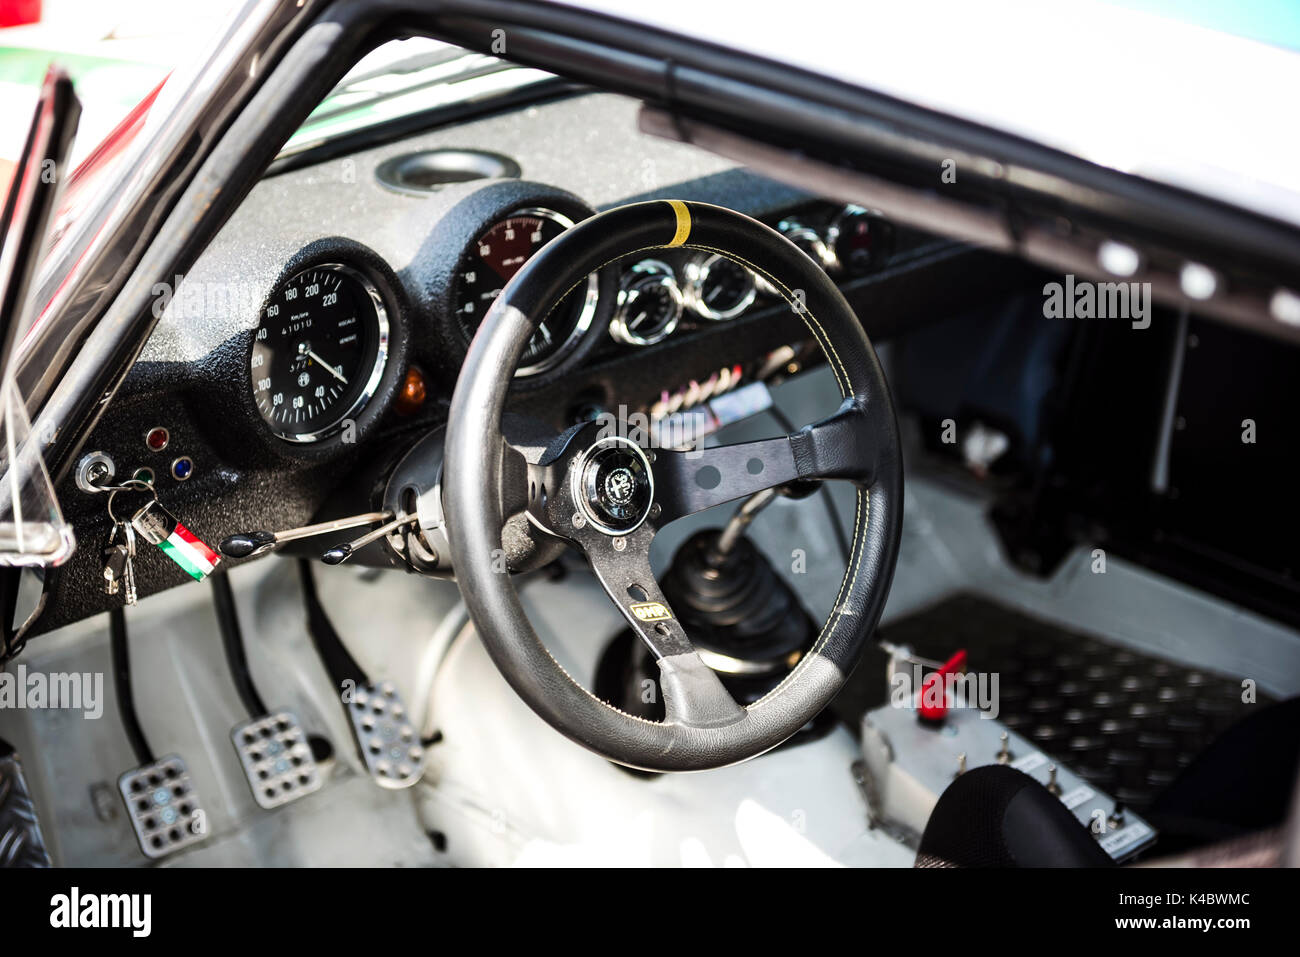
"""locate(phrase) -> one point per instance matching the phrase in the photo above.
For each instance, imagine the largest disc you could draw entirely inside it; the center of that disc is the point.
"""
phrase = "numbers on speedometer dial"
(492, 260)
(319, 352)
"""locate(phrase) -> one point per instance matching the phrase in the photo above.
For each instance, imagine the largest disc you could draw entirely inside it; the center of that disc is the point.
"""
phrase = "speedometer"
(492, 260)
(319, 352)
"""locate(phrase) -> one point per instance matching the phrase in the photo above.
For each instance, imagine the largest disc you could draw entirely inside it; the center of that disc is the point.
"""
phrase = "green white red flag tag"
(159, 526)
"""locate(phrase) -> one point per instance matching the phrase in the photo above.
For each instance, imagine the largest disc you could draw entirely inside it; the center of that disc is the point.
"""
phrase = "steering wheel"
(609, 496)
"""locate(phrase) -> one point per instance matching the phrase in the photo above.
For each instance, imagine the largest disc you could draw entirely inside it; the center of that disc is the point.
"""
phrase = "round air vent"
(430, 170)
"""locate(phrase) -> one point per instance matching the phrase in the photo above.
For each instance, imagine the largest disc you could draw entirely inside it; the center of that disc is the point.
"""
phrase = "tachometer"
(319, 352)
(493, 259)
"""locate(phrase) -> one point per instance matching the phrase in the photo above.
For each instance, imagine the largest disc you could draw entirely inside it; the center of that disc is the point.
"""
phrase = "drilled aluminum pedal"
(277, 759)
(163, 806)
(385, 736)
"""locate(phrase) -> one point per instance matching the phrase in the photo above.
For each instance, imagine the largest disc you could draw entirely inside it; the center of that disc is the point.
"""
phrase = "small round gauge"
(808, 240)
(650, 304)
(319, 352)
(492, 261)
(719, 288)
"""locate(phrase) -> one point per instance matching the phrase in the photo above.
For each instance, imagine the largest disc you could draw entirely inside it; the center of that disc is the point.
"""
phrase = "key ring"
(130, 485)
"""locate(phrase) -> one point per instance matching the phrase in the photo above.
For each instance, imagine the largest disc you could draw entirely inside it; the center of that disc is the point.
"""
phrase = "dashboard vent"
(430, 170)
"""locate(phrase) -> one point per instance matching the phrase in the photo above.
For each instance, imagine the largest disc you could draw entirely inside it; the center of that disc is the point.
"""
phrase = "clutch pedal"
(385, 736)
(276, 758)
(163, 806)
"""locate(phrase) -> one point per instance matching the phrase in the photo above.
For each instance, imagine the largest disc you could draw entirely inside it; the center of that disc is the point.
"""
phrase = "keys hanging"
(159, 527)
(119, 567)
(115, 556)
(128, 577)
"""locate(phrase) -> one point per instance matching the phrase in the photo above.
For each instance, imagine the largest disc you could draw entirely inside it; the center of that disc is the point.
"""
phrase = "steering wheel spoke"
(597, 493)
(622, 566)
(841, 446)
(693, 694)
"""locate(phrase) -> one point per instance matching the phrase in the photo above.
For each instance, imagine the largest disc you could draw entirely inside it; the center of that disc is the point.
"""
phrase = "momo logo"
(651, 611)
(619, 486)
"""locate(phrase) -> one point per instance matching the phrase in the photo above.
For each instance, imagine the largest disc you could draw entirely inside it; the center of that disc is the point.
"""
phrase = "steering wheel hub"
(614, 485)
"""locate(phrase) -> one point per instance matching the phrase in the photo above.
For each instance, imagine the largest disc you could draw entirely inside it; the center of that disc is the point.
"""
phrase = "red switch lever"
(933, 705)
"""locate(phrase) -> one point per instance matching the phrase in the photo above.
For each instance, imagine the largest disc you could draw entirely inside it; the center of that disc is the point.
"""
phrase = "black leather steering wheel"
(609, 497)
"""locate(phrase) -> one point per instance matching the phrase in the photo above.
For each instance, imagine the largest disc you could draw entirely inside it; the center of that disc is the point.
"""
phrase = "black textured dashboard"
(573, 155)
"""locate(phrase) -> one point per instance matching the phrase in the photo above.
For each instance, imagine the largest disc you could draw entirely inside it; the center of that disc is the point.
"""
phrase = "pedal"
(392, 752)
(163, 806)
(276, 758)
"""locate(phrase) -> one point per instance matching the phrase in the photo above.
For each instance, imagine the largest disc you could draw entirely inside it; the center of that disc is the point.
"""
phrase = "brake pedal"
(276, 758)
(164, 808)
(386, 738)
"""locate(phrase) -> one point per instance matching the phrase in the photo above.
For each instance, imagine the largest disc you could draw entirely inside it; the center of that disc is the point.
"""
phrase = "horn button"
(614, 486)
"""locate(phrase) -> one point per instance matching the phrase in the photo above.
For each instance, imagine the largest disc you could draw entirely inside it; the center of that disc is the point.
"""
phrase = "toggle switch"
(1116, 816)
(1004, 755)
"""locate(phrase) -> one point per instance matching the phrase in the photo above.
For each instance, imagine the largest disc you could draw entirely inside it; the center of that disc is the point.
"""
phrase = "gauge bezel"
(646, 272)
(795, 230)
(882, 242)
(430, 276)
(379, 364)
(590, 300)
(697, 274)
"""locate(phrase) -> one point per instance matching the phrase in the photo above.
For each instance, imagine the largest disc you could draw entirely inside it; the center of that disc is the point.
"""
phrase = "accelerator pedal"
(276, 758)
(386, 738)
(163, 806)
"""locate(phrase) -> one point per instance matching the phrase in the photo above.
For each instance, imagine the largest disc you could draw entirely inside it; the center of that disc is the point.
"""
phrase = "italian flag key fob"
(159, 526)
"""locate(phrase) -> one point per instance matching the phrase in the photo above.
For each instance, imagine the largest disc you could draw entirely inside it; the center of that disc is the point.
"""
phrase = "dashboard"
(321, 334)
(321, 347)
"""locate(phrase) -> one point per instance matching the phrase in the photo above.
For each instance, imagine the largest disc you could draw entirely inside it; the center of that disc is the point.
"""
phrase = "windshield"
(410, 81)
(404, 78)
(400, 79)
